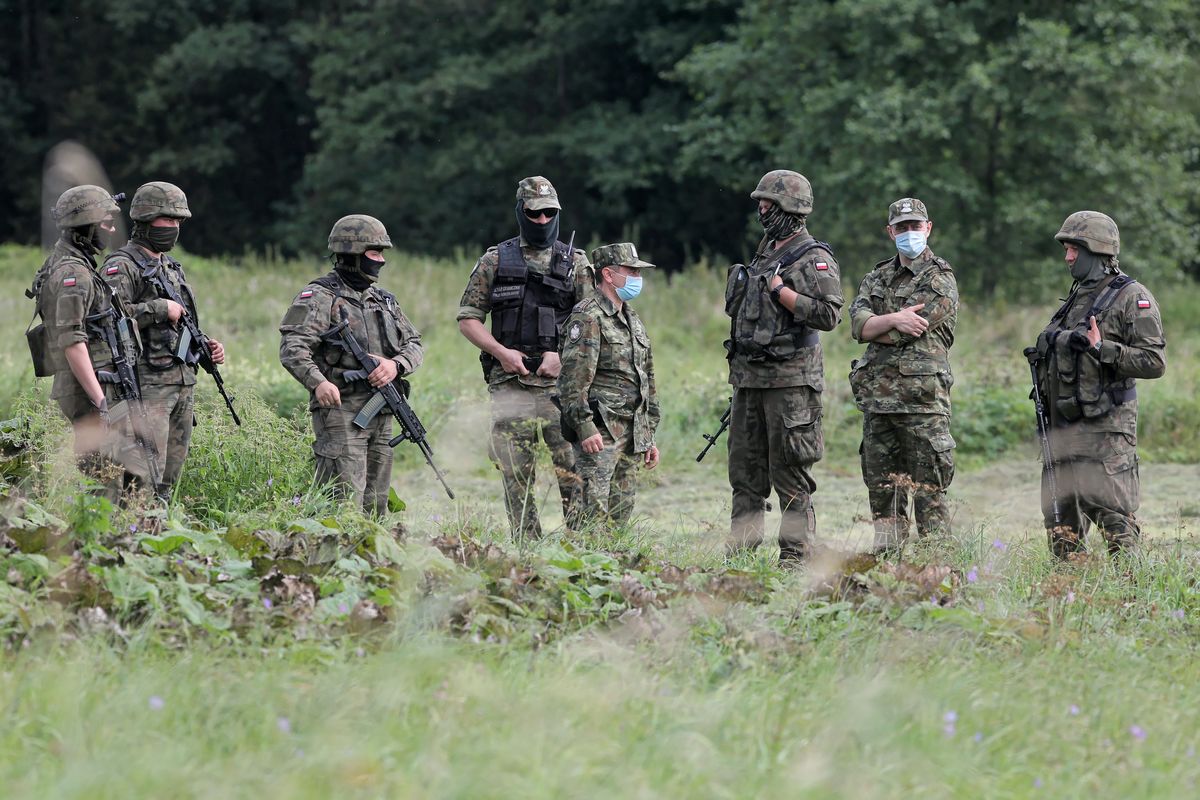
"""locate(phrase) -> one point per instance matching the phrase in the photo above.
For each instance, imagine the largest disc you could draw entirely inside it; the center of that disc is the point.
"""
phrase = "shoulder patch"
(69, 281)
(307, 293)
(113, 270)
(575, 332)
(822, 265)
(1143, 302)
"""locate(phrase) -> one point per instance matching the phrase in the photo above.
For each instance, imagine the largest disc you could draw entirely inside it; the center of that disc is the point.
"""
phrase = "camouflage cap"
(1095, 231)
(905, 209)
(623, 254)
(536, 193)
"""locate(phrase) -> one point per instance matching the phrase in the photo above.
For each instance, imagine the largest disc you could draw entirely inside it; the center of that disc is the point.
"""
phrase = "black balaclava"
(359, 272)
(91, 239)
(778, 224)
(1089, 267)
(158, 239)
(535, 235)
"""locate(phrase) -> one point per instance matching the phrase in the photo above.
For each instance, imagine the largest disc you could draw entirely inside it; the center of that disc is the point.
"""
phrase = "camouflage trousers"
(170, 412)
(357, 461)
(775, 437)
(95, 446)
(1096, 477)
(609, 481)
(520, 415)
(907, 457)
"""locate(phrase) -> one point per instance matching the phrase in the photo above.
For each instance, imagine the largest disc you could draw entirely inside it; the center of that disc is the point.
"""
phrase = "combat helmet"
(84, 205)
(158, 199)
(355, 234)
(1095, 231)
(789, 190)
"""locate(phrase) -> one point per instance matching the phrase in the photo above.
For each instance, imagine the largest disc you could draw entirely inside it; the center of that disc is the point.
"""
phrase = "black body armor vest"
(528, 307)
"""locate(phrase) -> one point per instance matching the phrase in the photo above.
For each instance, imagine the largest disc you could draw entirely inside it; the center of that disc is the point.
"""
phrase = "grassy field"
(258, 639)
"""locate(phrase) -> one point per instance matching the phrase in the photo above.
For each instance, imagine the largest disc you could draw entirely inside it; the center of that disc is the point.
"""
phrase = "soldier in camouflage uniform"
(905, 312)
(68, 289)
(790, 290)
(606, 387)
(356, 459)
(136, 272)
(528, 285)
(1106, 334)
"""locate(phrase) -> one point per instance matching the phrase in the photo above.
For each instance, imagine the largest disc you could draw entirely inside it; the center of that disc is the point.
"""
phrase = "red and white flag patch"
(1143, 302)
(307, 293)
(113, 270)
(822, 265)
(68, 281)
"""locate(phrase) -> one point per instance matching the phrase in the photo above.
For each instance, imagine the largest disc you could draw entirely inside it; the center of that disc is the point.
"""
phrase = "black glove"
(1079, 342)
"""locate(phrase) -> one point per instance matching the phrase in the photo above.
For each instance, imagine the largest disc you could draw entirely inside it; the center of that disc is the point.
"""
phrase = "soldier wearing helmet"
(905, 313)
(140, 273)
(527, 285)
(777, 304)
(356, 460)
(68, 290)
(1107, 334)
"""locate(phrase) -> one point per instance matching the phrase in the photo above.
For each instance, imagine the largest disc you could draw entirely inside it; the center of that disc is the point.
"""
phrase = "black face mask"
(91, 239)
(778, 224)
(535, 235)
(1088, 267)
(359, 272)
(158, 239)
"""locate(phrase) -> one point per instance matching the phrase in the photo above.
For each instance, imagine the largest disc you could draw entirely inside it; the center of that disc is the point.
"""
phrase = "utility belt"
(1071, 409)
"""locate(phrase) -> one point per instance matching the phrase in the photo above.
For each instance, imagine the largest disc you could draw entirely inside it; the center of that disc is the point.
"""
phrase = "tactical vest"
(1079, 385)
(47, 358)
(760, 328)
(375, 313)
(161, 339)
(528, 307)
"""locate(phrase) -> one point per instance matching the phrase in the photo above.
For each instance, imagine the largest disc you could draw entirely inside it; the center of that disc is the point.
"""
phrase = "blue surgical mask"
(910, 244)
(631, 289)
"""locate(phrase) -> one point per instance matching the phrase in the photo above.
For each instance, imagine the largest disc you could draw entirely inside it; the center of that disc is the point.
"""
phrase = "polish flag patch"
(1143, 302)
(112, 270)
(307, 293)
(68, 281)
(822, 265)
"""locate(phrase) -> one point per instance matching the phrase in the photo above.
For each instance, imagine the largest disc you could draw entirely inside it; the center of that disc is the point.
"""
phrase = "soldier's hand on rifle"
(328, 395)
(593, 444)
(551, 365)
(652, 457)
(512, 361)
(216, 351)
(908, 321)
(383, 374)
(174, 311)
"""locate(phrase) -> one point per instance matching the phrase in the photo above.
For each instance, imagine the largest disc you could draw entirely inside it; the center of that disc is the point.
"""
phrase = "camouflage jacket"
(769, 346)
(375, 319)
(68, 289)
(1095, 387)
(476, 299)
(904, 374)
(127, 271)
(606, 361)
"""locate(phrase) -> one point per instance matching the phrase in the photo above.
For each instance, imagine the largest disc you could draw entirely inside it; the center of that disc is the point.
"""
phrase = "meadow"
(258, 638)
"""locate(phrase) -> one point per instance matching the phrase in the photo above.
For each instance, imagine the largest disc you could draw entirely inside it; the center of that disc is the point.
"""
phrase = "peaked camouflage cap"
(537, 193)
(789, 190)
(84, 205)
(358, 233)
(623, 254)
(158, 199)
(1095, 231)
(906, 209)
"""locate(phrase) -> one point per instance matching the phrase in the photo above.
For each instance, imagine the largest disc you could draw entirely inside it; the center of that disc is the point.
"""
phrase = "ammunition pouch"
(38, 351)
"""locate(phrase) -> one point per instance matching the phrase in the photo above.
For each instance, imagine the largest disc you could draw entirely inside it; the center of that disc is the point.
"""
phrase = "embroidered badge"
(575, 332)
(543, 189)
(68, 281)
(906, 208)
(1143, 302)
(307, 293)
(822, 265)
(113, 270)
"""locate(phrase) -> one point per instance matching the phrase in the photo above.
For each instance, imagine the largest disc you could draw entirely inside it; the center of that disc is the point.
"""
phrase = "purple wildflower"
(296, 500)
(156, 703)
(437, 518)
(133, 527)
(284, 724)
(1137, 732)
(978, 737)
(267, 603)
(1191, 753)
(1179, 613)
(972, 575)
(1073, 710)
(343, 608)
(1070, 596)
(948, 729)
(1037, 783)
(270, 482)
(950, 716)
(1000, 545)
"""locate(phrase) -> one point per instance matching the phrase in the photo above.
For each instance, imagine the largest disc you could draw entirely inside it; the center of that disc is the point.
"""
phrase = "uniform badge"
(544, 189)
(307, 293)
(113, 270)
(822, 265)
(575, 332)
(906, 208)
(68, 281)
(1143, 302)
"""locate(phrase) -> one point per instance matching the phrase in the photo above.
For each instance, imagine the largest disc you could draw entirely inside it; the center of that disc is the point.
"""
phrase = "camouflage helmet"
(158, 199)
(84, 205)
(1095, 231)
(789, 190)
(358, 233)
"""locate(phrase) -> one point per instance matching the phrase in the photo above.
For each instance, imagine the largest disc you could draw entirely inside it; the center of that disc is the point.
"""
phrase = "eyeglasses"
(549, 213)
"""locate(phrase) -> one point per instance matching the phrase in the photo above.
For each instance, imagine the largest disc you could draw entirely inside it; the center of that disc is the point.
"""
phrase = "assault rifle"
(1043, 426)
(711, 438)
(411, 428)
(193, 344)
(115, 330)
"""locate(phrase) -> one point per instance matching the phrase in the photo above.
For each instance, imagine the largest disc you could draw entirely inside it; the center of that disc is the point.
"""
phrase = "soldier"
(905, 312)
(528, 284)
(68, 290)
(357, 459)
(790, 291)
(606, 386)
(1106, 334)
(139, 273)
